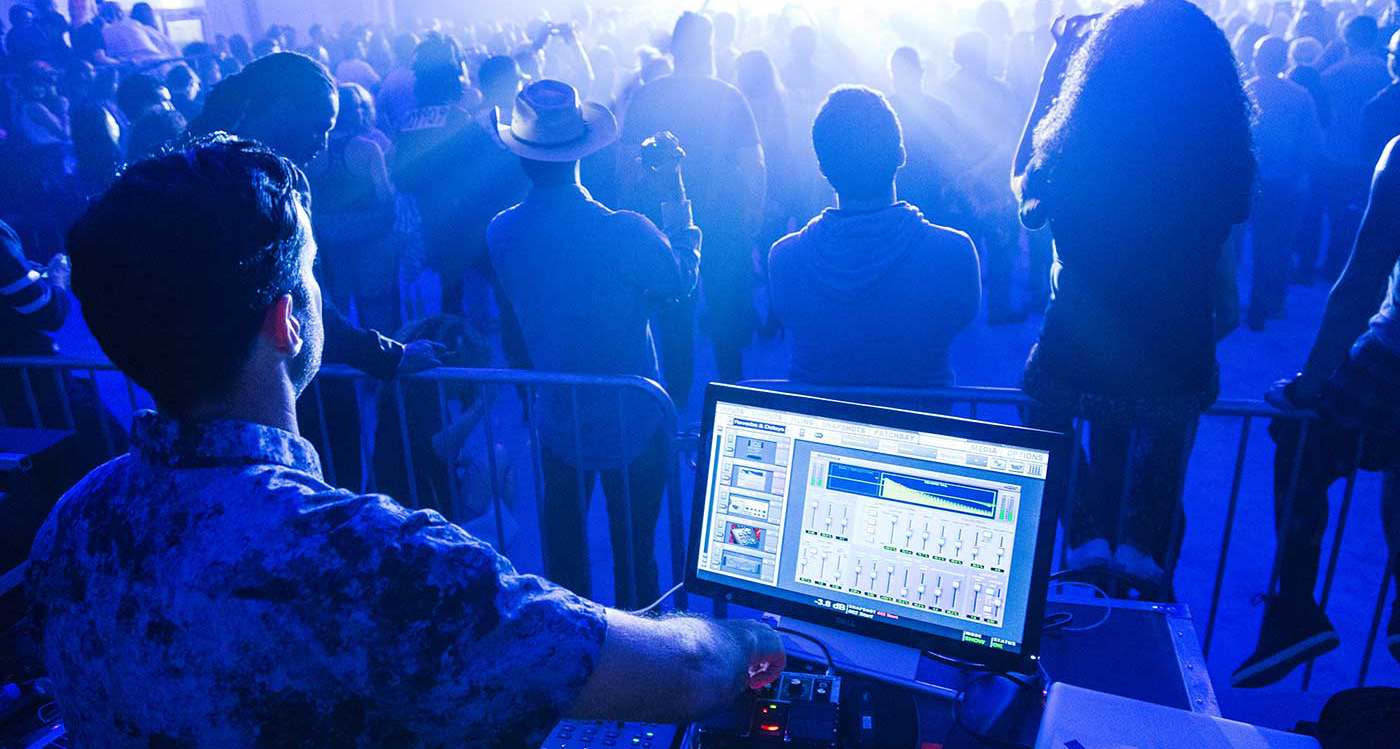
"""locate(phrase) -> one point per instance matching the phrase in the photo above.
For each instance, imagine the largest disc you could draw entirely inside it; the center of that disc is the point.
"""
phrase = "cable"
(1057, 620)
(826, 652)
(1107, 609)
(652, 607)
(980, 737)
(958, 662)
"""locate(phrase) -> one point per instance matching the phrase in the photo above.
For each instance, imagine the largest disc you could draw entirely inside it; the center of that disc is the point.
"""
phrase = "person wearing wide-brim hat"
(583, 280)
(548, 122)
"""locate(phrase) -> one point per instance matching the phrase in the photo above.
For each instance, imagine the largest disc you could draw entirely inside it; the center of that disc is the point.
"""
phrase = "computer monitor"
(929, 531)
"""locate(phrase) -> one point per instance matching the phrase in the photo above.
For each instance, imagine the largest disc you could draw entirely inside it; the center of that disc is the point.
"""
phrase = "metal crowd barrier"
(978, 400)
(507, 401)
(508, 398)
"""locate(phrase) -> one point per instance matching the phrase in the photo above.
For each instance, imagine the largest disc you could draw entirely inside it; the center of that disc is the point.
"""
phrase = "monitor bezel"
(1057, 444)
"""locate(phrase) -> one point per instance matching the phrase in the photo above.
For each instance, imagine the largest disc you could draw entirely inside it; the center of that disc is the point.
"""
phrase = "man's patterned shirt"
(209, 589)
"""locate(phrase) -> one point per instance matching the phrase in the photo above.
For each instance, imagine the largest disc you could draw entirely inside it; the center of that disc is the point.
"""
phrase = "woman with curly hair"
(1138, 156)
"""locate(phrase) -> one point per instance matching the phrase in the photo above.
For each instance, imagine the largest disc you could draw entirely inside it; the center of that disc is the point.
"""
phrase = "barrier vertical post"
(1230, 511)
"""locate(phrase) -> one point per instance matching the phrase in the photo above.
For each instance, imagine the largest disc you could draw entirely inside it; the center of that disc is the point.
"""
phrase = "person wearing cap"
(583, 281)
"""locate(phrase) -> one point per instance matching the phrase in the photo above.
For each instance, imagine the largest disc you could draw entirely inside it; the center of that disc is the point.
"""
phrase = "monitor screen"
(909, 525)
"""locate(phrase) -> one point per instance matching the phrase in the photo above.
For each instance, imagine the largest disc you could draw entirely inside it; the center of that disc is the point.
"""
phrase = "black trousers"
(564, 522)
(1278, 211)
(1329, 453)
(1129, 484)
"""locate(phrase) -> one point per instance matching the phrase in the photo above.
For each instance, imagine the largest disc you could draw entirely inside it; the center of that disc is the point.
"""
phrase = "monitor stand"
(897, 665)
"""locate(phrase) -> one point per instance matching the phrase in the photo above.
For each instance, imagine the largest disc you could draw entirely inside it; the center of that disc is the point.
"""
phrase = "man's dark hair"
(1362, 34)
(139, 93)
(438, 74)
(692, 43)
(264, 84)
(858, 142)
(498, 71)
(176, 264)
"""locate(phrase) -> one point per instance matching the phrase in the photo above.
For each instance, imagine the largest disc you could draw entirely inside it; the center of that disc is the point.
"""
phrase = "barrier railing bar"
(1375, 623)
(108, 443)
(61, 384)
(1342, 514)
(407, 443)
(488, 418)
(454, 509)
(1286, 522)
(675, 512)
(327, 458)
(29, 400)
(629, 552)
(1076, 455)
(537, 465)
(1236, 483)
(585, 488)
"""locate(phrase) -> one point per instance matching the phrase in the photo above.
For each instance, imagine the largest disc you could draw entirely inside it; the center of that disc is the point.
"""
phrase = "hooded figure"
(871, 293)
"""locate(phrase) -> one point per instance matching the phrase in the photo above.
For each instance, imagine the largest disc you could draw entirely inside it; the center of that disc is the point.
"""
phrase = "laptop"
(1078, 718)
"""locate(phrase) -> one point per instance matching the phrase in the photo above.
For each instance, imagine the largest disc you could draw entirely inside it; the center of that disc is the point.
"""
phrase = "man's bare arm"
(1358, 293)
(676, 669)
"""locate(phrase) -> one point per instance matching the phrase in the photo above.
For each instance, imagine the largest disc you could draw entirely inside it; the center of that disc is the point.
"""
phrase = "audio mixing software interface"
(924, 530)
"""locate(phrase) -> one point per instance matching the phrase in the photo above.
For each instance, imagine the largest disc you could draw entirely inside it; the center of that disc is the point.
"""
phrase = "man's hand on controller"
(766, 656)
(421, 355)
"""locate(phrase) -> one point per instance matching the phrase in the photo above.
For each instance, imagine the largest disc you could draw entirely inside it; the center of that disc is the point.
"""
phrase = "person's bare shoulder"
(1386, 183)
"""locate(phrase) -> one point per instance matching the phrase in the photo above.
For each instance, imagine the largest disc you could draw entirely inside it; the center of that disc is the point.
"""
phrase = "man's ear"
(281, 328)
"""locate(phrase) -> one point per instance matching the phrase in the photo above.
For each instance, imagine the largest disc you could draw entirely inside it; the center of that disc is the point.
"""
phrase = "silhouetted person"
(582, 279)
(1288, 143)
(989, 109)
(216, 543)
(1350, 380)
(448, 161)
(725, 178)
(1303, 54)
(355, 215)
(289, 103)
(1140, 197)
(757, 78)
(939, 148)
(726, 54)
(25, 42)
(1380, 118)
(1350, 83)
(870, 292)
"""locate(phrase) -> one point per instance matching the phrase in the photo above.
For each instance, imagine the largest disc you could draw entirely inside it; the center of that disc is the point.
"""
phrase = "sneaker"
(1138, 565)
(1294, 632)
(1090, 555)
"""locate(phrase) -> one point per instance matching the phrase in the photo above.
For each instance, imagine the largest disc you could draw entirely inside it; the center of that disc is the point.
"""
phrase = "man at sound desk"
(210, 589)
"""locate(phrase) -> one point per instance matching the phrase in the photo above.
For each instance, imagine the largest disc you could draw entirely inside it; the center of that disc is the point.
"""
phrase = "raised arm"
(676, 669)
(1069, 34)
(1358, 293)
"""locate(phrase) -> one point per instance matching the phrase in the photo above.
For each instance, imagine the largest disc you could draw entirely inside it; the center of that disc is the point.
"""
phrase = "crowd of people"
(598, 195)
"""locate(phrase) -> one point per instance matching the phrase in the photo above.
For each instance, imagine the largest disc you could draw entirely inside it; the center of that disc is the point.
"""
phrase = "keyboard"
(610, 734)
